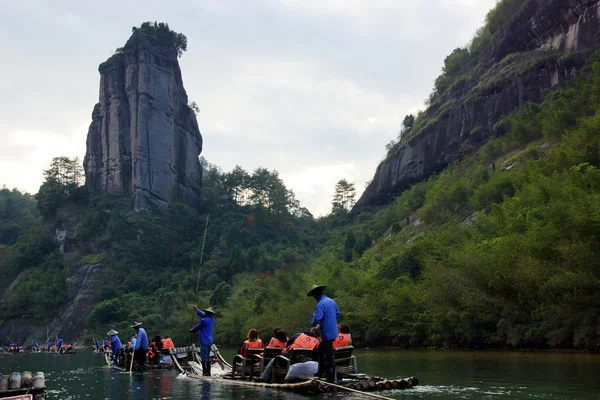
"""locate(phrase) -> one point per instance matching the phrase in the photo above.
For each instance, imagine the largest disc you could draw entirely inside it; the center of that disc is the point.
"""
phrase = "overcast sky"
(312, 88)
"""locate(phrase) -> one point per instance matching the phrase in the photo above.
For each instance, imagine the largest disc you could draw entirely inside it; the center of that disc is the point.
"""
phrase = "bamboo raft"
(352, 382)
(20, 384)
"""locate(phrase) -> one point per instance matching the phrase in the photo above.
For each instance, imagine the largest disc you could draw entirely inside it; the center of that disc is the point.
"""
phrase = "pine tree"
(344, 196)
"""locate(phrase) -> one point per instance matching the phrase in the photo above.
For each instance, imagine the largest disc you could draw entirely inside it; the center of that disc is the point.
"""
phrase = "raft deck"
(19, 384)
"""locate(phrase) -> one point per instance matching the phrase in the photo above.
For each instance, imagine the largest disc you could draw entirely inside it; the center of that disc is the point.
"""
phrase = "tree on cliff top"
(164, 35)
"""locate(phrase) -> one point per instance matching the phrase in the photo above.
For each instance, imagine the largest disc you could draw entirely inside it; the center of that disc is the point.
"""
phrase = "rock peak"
(144, 139)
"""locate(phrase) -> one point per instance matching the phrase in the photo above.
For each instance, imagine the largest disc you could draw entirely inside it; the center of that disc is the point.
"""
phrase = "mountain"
(144, 139)
(526, 48)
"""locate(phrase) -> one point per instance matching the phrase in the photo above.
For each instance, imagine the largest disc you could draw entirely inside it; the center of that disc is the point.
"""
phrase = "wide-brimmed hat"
(209, 310)
(136, 324)
(316, 288)
(111, 332)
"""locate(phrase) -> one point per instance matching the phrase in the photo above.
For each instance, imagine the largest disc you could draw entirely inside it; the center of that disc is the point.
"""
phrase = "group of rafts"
(244, 369)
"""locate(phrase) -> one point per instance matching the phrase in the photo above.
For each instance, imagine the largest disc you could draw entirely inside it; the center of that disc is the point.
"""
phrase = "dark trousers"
(326, 360)
(139, 356)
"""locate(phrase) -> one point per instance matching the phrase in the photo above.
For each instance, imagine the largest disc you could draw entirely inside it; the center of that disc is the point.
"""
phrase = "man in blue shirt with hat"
(325, 317)
(141, 344)
(205, 327)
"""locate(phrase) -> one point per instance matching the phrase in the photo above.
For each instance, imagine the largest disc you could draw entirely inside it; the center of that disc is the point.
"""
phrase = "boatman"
(325, 317)
(117, 348)
(97, 343)
(141, 344)
(206, 326)
(49, 345)
(59, 343)
(37, 347)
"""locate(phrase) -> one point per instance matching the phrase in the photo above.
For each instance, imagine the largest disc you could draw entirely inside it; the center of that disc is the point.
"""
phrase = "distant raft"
(19, 384)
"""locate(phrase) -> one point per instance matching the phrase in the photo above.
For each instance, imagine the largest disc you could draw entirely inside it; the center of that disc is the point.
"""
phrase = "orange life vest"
(343, 339)
(167, 343)
(303, 341)
(258, 344)
(276, 343)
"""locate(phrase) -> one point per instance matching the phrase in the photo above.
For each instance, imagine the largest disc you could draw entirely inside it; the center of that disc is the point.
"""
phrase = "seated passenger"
(168, 343)
(306, 340)
(253, 342)
(279, 339)
(344, 338)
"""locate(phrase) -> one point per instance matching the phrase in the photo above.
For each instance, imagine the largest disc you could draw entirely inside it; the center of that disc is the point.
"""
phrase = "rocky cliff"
(144, 139)
(540, 48)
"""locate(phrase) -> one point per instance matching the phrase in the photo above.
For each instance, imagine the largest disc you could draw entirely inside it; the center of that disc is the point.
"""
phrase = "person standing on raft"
(206, 327)
(325, 317)
(117, 348)
(141, 344)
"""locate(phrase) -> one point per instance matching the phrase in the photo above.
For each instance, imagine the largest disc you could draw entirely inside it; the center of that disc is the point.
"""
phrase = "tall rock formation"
(144, 139)
(542, 46)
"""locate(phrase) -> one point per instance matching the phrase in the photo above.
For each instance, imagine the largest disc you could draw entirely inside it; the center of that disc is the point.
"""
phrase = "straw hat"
(136, 324)
(209, 310)
(112, 332)
(315, 289)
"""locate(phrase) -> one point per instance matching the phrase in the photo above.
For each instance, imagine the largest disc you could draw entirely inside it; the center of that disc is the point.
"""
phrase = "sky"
(312, 88)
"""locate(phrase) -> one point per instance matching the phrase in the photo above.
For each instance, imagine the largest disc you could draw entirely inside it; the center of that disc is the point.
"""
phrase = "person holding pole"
(206, 327)
(141, 344)
(325, 317)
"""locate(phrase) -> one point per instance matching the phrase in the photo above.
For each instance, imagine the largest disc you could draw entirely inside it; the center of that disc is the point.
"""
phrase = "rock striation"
(144, 139)
(541, 48)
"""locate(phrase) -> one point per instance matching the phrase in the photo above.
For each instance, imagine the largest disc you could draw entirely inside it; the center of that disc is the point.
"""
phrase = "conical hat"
(316, 288)
(209, 310)
(112, 332)
(136, 324)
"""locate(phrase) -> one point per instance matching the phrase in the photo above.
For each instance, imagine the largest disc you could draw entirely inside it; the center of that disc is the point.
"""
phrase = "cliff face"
(539, 49)
(144, 140)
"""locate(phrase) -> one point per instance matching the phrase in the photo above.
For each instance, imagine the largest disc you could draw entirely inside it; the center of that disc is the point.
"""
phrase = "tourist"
(167, 343)
(206, 327)
(105, 344)
(132, 342)
(279, 339)
(344, 338)
(325, 317)
(141, 344)
(252, 342)
(117, 348)
(304, 340)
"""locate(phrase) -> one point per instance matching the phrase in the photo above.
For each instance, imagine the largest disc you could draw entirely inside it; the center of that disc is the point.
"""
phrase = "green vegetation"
(164, 36)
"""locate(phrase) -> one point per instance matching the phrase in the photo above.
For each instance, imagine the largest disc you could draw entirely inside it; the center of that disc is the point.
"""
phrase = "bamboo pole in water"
(375, 396)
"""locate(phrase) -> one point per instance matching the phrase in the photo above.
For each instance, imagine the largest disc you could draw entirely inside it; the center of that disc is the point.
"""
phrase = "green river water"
(442, 375)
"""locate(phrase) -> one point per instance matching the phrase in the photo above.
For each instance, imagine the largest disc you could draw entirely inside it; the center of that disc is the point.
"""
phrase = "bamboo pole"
(198, 281)
(131, 364)
(375, 396)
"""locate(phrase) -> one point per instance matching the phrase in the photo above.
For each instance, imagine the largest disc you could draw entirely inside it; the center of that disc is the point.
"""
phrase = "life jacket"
(258, 344)
(168, 343)
(343, 339)
(303, 341)
(276, 343)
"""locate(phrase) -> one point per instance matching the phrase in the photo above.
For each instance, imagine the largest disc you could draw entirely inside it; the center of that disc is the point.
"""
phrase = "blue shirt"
(97, 343)
(50, 343)
(59, 342)
(326, 315)
(36, 345)
(105, 343)
(116, 343)
(142, 340)
(132, 345)
(205, 327)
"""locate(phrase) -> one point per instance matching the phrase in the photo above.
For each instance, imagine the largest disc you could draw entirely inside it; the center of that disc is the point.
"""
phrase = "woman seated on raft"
(279, 339)
(253, 342)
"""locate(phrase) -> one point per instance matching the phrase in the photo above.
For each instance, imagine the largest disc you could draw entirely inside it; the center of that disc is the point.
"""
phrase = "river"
(442, 375)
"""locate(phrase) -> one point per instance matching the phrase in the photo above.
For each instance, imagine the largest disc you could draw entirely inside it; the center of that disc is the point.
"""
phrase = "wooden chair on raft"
(260, 361)
(242, 366)
(345, 362)
(281, 365)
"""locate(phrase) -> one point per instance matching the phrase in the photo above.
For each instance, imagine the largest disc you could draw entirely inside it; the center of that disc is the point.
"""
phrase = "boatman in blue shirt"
(59, 344)
(117, 348)
(49, 345)
(325, 317)
(206, 326)
(141, 344)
